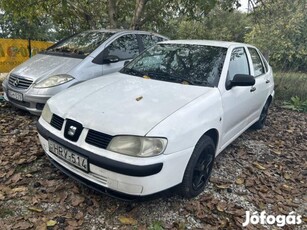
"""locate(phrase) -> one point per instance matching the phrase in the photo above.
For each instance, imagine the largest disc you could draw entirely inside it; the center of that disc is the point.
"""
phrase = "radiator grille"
(57, 122)
(98, 139)
(19, 82)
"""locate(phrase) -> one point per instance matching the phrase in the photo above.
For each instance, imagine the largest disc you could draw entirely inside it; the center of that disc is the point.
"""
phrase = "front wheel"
(199, 168)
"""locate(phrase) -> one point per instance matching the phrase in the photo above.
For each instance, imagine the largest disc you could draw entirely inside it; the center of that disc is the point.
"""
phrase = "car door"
(124, 48)
(262, 78)
(239, 102)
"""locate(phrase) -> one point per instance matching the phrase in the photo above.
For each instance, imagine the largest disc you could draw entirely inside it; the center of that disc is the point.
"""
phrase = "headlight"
(54, 81)
(46, 114)
(138, 146)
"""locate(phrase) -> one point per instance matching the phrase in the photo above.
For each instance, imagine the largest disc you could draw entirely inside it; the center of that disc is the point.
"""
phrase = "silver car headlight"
(46, 113)
(54, 81)
(138, 146)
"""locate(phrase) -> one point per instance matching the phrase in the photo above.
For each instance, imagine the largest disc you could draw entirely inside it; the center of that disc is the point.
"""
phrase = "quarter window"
(125, 47)
(238, 63)
(257, 63)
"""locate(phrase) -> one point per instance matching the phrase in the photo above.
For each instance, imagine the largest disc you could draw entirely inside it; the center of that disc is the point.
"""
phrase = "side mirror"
(110, 59)
(241, 80)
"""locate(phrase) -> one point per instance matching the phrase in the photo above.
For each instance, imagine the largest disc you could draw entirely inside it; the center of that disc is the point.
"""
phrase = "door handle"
(267, 81)
(253, 89)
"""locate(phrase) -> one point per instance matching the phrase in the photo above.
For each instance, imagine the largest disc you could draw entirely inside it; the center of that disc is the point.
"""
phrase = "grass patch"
(290, 84)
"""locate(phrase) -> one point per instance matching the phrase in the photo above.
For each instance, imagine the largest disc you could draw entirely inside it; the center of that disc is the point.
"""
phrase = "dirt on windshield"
(262, 170)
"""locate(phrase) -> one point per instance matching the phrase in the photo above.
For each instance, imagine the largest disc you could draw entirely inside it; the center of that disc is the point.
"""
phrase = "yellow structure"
(15, 51)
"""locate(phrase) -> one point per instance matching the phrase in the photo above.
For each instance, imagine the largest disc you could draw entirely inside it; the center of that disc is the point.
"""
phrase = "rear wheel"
(264, 113)
(199, 168)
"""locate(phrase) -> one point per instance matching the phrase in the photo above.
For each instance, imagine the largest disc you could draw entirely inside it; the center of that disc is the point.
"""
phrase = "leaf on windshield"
(185, 83)
(139, 98)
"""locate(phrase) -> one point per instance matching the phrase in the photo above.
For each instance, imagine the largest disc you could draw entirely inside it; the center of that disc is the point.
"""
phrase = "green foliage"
(156, 225)
(280, 31)
(217, 25)
(58, 18)
(296, 104)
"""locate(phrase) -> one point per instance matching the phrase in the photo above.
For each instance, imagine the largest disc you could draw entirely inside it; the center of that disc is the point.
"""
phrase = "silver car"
(71, 61)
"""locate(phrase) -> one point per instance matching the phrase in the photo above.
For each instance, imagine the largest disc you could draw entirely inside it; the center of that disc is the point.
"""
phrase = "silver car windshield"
(181, 63)
(81, 44)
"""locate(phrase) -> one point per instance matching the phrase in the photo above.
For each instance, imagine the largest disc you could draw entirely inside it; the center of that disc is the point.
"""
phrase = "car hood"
(42, 65)
(122, 104)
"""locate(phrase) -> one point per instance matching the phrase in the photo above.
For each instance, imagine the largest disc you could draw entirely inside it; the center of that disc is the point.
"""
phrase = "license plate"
(68, 155)
(15, 95)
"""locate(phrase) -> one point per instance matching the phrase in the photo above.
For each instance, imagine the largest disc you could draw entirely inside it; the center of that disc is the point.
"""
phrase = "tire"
(198, 170)
(263, 115)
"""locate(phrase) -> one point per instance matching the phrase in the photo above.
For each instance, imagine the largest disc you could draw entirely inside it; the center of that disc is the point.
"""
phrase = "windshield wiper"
(132, 71)
(167, 76)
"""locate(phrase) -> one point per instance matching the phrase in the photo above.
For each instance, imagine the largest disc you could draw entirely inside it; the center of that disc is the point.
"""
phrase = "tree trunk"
(112, 13)
(139, 9)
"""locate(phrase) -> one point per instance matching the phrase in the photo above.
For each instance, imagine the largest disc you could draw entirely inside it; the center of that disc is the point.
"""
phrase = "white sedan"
(161, 121)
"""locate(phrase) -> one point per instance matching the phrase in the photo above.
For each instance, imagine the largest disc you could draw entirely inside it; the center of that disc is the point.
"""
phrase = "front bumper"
(129, 176)
(34, 99)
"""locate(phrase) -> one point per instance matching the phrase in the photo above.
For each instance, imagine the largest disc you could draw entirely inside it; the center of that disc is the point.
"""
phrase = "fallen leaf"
(23, 225)
(258, 166)
(76, 200)
(127, 220)
(276, 152)
(18, 189)
(240, 181)
(16, 177)
(34, 209)
(287, 187)
(223, 186)
(51, 223)
(221, 206)
(287, 176)
(73, 223)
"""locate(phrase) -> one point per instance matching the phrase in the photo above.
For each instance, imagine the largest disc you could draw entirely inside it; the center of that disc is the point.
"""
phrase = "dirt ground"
(261, 171)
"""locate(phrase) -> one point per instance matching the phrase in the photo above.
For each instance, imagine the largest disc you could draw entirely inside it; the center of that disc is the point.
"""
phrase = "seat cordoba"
(161, 121)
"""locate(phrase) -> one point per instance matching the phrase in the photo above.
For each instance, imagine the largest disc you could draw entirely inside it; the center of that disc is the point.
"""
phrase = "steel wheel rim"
(202, 169)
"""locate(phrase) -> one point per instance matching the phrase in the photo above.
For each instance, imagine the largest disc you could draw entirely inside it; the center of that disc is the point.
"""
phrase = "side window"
(266, 67)
(150, 40)
(124, 47)
(257, 63)
(238, 63)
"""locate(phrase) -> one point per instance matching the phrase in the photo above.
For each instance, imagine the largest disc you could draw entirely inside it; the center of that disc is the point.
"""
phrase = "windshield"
(180, 63)
(83, 43)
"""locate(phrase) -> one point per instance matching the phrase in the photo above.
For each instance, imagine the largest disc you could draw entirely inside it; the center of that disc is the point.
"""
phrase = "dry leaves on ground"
(261, 170)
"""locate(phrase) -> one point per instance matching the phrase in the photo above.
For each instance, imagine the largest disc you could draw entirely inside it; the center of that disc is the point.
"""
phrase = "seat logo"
(16, 82)
(72, 130)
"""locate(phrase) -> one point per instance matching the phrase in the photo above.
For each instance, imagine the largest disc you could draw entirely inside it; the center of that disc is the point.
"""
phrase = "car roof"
(225, 44)
(116, 31)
